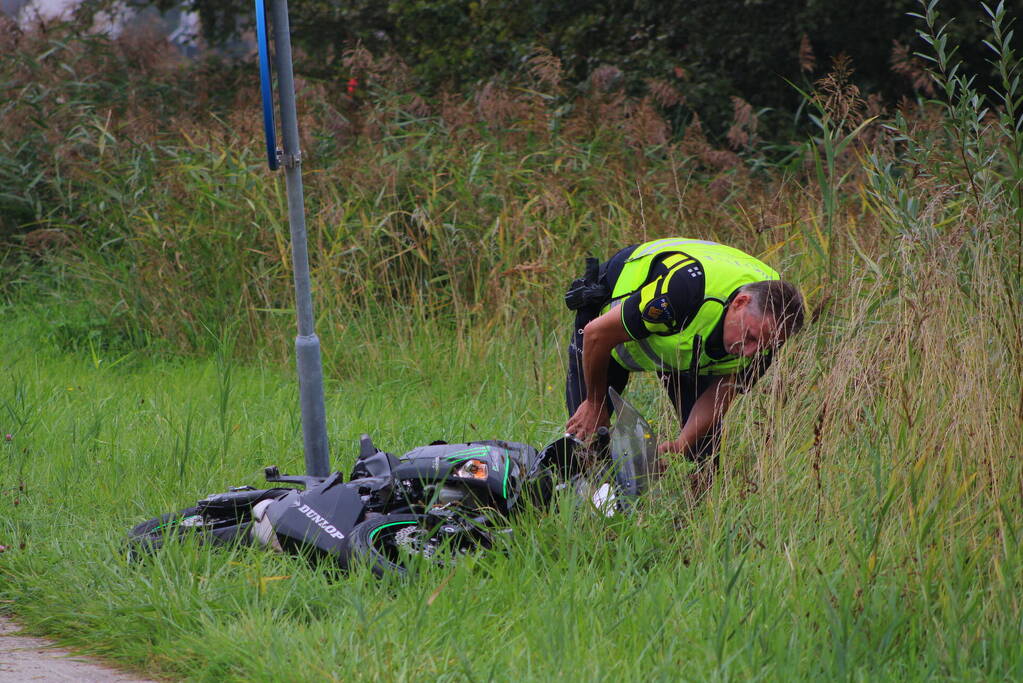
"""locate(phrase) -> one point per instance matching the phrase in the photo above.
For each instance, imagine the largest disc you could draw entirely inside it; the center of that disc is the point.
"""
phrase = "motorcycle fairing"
(321, 517)
(507, 465)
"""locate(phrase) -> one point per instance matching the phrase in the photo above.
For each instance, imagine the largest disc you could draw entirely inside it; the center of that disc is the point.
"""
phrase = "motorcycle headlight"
(472, 469)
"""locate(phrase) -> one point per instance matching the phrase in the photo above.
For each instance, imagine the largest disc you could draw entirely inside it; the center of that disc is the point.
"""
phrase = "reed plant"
(445, 210)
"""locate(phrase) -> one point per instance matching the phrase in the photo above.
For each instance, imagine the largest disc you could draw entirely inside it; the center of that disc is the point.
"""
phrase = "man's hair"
(779, 299)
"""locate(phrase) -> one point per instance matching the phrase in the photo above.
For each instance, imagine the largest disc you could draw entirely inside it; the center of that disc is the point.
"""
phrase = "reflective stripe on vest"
(667, 244)
(625, 357)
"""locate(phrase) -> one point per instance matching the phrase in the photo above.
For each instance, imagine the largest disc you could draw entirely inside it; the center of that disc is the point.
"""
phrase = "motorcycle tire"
(149, 536)
(390, 543)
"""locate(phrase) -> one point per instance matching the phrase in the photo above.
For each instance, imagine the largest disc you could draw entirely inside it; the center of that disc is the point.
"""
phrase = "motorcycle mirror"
(366, 447)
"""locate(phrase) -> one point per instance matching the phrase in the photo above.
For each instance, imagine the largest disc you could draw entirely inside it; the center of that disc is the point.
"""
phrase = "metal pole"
(307, 345)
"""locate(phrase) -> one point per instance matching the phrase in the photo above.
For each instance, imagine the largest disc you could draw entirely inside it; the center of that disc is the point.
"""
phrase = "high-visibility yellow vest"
(725, 270)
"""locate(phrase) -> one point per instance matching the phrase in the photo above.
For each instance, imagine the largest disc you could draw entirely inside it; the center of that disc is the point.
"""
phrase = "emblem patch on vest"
(659, 311)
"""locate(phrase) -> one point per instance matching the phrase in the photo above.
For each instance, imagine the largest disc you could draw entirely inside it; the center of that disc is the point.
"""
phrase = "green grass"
(885, 559)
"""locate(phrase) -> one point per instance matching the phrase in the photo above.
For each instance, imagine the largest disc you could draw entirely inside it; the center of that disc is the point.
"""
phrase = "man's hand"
(588, 418)
(679, 446)
(668, 448)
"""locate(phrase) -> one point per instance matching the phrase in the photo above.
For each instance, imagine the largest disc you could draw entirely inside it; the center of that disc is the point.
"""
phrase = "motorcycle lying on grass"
(434, 502)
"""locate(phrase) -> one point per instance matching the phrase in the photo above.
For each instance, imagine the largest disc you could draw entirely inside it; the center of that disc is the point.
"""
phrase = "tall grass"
(446, 211)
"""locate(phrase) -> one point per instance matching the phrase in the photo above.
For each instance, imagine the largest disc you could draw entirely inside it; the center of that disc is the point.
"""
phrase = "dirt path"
(24, 659)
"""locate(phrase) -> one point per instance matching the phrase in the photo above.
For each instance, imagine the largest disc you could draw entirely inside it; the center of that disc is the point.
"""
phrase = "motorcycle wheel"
(389, 543)
(149, 536)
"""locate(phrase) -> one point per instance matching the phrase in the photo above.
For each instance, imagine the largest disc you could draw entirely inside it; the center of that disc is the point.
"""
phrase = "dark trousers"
(681, 389)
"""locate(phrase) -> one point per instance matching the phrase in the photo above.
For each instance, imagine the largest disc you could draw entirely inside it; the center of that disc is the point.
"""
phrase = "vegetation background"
(711, 50)
(866, 523)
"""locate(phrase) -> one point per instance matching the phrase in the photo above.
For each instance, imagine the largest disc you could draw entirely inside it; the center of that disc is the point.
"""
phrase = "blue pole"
(266, 86)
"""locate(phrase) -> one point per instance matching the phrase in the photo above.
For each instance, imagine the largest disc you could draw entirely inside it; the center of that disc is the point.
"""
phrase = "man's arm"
(600, 336)
(708, 410)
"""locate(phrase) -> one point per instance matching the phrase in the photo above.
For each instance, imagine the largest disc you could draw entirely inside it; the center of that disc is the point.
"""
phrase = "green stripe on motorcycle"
(467, 453)
(169, 522)
(504, 484)
(373, 533)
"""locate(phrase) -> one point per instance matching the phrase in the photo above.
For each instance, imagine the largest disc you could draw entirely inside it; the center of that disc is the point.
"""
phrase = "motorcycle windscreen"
(633, 447)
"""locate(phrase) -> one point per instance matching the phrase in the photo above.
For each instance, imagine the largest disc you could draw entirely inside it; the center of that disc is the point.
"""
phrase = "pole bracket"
(289, 160)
